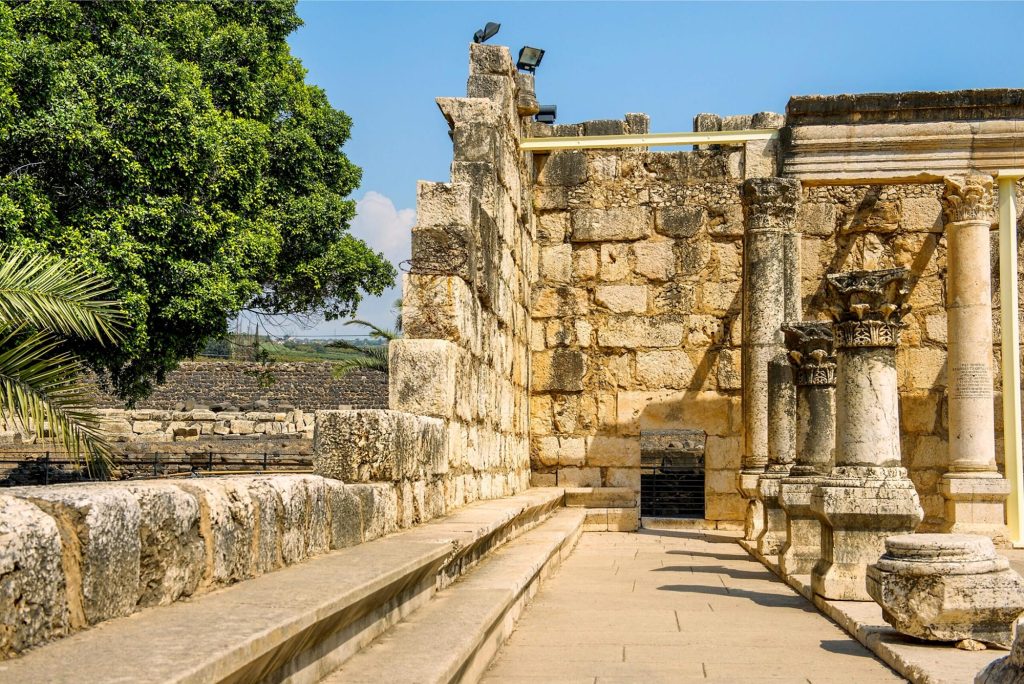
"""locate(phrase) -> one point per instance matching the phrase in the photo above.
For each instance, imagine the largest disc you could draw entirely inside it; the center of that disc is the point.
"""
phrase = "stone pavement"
(675, 606)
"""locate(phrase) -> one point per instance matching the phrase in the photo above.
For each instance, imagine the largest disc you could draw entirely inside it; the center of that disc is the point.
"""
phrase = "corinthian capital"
(811, 353)
(770, 203)
(967, 198)
(868, 307)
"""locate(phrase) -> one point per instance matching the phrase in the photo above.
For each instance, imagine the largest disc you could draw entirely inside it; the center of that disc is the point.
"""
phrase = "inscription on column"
(972, 381)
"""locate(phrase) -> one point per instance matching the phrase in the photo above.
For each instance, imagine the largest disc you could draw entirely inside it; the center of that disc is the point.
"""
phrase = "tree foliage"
(366, 357)
(175, 149)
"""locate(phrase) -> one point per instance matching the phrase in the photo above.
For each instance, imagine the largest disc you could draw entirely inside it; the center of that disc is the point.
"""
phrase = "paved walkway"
(677, 607)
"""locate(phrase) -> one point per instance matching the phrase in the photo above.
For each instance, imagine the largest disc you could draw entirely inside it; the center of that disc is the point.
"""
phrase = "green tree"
(175, 149)
(43, 302)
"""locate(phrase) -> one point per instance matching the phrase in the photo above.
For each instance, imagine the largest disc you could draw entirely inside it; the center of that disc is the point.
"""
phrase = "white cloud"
(383, 227)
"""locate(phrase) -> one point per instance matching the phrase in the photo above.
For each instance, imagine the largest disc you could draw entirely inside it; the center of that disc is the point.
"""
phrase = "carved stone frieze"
(967, 198)
(868, 307)
(811, 353)
(770, 203)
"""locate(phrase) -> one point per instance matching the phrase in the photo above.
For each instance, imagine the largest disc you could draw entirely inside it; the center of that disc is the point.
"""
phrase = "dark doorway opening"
(672, 473)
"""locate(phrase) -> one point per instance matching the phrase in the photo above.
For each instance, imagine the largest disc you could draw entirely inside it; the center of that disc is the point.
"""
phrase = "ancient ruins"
(792, 331)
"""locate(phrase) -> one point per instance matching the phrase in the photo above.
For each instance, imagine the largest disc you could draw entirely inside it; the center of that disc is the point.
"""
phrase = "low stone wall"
(72, 556)
(150, 425)
(305, 384)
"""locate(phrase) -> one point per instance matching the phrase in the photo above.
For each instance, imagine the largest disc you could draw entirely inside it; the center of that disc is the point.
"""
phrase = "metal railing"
(673, 488)
(49, 467)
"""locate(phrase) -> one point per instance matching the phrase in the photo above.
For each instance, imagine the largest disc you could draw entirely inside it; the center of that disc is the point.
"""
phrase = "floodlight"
(487, 32)
(546, 114)
(529, 58)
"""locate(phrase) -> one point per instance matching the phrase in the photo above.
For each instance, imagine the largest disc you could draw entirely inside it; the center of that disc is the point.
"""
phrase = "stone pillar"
(811, 351)
(867, 495)
(769, 212)
(975, 492)
(781, 454)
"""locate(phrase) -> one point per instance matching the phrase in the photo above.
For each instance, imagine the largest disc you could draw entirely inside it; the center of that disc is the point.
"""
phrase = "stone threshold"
(655, 523)
(456, 635)
(919, 661)
(299, 623)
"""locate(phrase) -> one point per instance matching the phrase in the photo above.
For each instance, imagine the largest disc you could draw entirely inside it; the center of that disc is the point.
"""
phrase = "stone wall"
(76, 555)
(457, 428)
(637, 307)
(305, 385)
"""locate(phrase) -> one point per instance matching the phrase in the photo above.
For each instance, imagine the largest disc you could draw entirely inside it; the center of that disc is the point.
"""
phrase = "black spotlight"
(487, 32)
(529, 58)
(546, 114)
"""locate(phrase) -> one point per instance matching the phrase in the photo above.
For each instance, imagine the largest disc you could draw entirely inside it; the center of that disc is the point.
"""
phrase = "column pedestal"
(976, 505)
(753, 524)
(867, 495)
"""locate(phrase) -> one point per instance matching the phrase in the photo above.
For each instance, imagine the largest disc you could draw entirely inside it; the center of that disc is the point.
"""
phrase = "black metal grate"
(672, 474)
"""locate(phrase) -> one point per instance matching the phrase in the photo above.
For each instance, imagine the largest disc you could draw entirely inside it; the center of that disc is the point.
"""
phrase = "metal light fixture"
(487, 32)
(529, 58)
(546, 114)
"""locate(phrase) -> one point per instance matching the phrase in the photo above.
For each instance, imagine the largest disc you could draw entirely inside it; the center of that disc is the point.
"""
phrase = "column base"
(802, 549)
(976, 504)
(859, 507)
(773, 532)
(746, 482)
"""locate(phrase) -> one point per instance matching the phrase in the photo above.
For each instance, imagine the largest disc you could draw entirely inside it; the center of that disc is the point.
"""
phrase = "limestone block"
(555, 263)
(920, 214)
(571, 451)
(379, 506)
(268, 525)
(99, 527)
(919, 412)
(613, 451)
(923, 368)
(614, 262)
(725, 507)
(947, 587)
(816, 219)
(640, 332)
(681, 222)
(372, 445)
(935, 328)
(622, 298)
(546, 199)
(422, 375)
(33, 591)
(564, 168)
(623, 477)
(450, 250)
(462, 110)
(729, 369)
(584, 264)
(579, 477)
(146, 427)
(552, 227)
(724, 453)
(664, 369)
(490, 59)
(242, 427)
(438, 307)
(654, 260)
(600, 225)
(304, 515)
(558, 370)
(549, 302)
(227, 524)
(171, 550)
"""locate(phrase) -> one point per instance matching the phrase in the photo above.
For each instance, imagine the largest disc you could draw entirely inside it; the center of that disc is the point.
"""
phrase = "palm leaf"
(41, 391)
(365, 358)
(375, 331)
(51, 294)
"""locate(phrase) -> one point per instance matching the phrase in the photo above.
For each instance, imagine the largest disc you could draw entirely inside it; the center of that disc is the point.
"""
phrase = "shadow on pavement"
(758, 597)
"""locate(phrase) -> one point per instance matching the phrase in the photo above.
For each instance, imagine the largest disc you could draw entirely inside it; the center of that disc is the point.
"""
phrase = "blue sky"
(384, 63)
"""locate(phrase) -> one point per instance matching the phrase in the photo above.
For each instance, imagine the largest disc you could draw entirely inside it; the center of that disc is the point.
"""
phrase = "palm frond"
(54, 295)
(41, 392)
(376, 332)
(366, 358)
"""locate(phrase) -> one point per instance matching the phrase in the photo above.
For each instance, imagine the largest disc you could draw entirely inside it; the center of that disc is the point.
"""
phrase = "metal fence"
(52, 467)
(673, 488)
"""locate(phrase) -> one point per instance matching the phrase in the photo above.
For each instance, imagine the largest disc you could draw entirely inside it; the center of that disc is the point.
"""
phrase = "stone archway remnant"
(867, 495)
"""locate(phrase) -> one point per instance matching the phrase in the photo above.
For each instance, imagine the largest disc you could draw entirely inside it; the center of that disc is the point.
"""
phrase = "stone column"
(975, 492)
(867, 495)
(781, 454)
(811, 351)
(769, 212)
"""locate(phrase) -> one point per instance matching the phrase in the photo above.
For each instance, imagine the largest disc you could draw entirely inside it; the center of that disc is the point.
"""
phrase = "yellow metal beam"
(1010, 345)
(596, 142)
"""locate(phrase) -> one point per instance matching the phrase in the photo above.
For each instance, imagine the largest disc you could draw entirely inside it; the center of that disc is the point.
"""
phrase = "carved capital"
(967, 198)
(811, 353)
(770, 203)
(868, 307)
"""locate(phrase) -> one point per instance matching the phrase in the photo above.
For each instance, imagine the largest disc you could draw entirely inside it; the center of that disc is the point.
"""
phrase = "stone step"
(456, 635)
(600, 497)
(299, 623)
